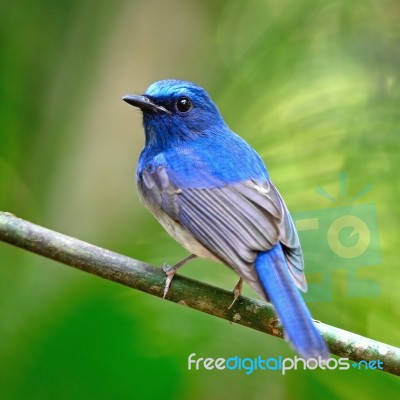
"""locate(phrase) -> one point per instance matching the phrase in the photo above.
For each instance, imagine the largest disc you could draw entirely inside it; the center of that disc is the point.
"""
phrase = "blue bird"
(212, 193)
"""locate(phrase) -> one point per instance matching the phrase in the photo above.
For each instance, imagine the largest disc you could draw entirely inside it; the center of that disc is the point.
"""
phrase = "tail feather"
(296, 319)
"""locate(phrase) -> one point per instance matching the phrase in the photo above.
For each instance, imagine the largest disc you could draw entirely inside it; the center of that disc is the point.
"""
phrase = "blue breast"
(207, 162)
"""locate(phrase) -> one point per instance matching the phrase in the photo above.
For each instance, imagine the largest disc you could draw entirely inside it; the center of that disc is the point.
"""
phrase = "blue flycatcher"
(212, 193)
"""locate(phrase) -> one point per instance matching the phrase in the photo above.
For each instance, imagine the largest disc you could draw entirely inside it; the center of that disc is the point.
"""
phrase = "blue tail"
(293, 313)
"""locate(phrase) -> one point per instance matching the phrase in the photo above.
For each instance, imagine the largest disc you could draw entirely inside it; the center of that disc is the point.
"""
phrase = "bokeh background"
(314, 86)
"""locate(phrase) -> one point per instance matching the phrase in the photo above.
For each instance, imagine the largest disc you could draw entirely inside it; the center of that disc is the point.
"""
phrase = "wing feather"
(234, 222)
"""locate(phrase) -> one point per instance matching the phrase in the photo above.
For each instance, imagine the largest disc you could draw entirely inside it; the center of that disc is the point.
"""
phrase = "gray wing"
(234, 222)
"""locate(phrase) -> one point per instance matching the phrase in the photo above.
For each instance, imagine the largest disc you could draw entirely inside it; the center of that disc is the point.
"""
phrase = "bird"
(212, 193)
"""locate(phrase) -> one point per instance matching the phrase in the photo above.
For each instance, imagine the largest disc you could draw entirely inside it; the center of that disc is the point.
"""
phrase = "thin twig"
(200, 296)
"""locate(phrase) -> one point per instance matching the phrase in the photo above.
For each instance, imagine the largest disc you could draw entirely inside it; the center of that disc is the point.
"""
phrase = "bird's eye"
(183, 104)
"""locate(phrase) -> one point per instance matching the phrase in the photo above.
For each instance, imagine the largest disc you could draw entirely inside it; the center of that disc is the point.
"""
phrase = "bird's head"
(176, 111)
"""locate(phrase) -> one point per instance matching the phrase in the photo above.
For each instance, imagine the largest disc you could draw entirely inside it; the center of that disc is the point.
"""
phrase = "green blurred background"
(314, 86)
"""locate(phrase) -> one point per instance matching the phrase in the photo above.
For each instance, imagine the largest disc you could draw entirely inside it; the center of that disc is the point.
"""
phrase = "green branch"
(200, 296)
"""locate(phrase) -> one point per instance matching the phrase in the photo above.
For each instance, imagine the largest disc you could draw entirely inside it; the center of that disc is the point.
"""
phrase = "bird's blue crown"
(190, 113)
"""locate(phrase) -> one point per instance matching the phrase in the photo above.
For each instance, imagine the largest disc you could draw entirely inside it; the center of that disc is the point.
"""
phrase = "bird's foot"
(170, 272)
(237, 291)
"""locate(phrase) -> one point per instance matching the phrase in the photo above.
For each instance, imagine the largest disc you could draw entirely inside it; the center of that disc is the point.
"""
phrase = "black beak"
(144, 103)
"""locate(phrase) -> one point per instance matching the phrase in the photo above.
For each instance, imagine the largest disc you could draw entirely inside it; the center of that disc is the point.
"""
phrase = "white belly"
(181, 235)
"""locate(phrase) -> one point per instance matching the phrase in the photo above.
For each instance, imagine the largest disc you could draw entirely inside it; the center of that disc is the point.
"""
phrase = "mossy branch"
(200, 296)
